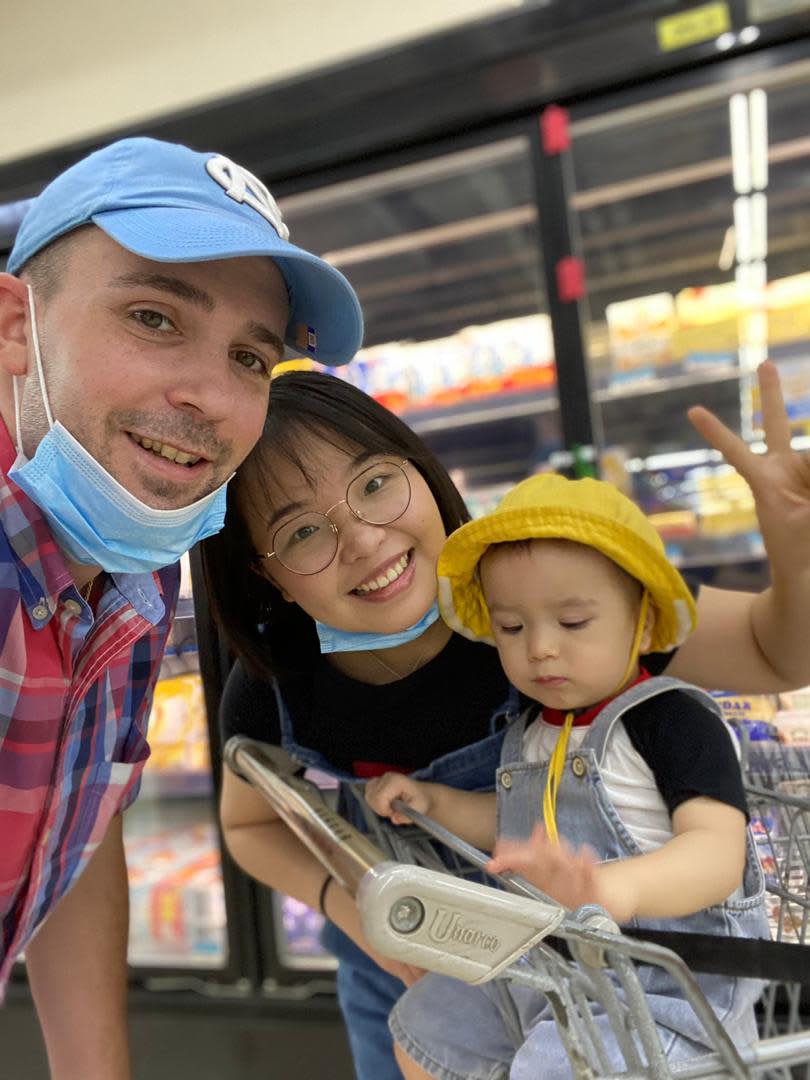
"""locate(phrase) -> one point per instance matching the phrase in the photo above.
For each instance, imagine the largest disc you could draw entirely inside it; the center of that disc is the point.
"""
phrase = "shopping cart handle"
(449, 925)
(342, 849)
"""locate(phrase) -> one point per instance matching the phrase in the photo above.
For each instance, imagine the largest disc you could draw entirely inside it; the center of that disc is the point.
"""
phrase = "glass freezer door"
(445, 256)
(693, 209)
(177, 898)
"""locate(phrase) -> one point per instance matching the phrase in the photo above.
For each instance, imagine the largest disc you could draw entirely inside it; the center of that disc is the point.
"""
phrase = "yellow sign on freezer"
(691, 27)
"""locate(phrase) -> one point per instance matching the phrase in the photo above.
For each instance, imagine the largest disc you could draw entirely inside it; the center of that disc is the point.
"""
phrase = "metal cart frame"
(455, 920)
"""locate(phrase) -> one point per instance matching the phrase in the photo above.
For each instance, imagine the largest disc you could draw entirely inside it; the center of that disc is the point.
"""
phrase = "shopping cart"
(778, 790)
(425, 900)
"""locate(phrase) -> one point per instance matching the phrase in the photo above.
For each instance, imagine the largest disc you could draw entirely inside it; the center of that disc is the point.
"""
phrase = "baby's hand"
(570, 877)
(382, 790)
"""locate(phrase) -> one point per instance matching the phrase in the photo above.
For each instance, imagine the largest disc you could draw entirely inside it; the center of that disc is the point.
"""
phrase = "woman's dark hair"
(271, 636)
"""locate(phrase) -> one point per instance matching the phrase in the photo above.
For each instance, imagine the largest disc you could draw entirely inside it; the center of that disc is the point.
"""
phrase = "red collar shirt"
(76, 690)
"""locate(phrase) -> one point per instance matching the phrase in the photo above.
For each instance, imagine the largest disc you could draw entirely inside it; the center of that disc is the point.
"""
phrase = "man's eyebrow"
(264, 334)
(199, 297)
(166, 283)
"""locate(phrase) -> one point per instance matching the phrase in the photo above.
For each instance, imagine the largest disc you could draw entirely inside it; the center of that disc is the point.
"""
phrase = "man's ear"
(14, 326)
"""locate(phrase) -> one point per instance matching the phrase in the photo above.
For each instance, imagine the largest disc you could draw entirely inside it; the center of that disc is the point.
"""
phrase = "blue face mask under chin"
(94, 519)
(334, 640)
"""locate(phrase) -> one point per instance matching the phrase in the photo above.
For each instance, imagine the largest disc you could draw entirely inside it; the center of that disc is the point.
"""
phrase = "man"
(151, 290)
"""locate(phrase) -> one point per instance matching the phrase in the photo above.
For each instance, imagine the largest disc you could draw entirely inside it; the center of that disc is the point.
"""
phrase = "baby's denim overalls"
(584, 815)
(366, 993)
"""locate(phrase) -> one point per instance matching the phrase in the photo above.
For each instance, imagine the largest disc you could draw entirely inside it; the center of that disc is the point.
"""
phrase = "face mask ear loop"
(16, 393)
(40, 373)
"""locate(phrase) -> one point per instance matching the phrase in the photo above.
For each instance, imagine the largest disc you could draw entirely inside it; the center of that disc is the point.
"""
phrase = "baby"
(615, 788)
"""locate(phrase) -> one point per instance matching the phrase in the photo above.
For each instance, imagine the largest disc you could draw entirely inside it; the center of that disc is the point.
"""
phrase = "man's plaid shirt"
(75, 696)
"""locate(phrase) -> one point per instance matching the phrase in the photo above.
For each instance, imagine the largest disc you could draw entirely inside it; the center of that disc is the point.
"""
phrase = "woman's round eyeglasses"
(307, 543)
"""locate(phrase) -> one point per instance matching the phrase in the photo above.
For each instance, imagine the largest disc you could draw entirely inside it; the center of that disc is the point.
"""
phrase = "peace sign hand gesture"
(779, 479)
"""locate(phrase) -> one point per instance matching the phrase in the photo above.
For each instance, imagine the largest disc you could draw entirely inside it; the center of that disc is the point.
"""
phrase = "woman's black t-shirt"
(446, 705)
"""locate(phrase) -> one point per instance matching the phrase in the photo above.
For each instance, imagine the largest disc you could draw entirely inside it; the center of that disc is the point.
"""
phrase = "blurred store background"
(567, 221)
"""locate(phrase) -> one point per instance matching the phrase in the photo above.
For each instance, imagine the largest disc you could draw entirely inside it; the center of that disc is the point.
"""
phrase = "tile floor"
(180, 1036)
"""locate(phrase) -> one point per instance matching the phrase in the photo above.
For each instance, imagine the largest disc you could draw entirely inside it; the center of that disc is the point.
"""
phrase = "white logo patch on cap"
(243, 187)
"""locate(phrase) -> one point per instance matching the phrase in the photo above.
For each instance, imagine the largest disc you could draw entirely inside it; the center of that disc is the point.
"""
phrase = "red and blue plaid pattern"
(75, 696)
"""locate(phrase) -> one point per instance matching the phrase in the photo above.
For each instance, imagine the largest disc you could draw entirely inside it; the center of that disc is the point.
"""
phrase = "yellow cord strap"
(641, 622)
(556, 765)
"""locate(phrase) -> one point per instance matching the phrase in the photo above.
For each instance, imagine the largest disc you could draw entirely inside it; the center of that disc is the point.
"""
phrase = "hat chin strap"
(556, 763)
(634, 648)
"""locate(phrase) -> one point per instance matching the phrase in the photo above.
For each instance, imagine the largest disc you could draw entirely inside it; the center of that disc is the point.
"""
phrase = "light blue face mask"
(94, 519)
(334, 640)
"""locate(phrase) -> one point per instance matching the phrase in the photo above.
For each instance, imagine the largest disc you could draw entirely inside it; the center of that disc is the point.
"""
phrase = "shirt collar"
(43, 572)
(144, 592)
(583, 717)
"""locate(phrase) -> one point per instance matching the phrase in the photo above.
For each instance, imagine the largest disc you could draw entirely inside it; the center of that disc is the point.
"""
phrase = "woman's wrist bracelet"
(327, 881)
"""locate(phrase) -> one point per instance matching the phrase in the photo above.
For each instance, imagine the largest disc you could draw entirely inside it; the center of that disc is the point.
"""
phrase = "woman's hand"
(406, 973)
(757, 642)
(381, 791)
(779, 479)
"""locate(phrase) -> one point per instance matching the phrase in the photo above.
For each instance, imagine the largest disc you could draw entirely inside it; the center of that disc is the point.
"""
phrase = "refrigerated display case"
(177, 896)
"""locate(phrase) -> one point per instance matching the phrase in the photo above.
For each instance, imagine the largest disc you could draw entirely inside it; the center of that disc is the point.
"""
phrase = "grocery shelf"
(658, 384)
(755, 553)
(509, 406)
(185, 608)
(484, 410)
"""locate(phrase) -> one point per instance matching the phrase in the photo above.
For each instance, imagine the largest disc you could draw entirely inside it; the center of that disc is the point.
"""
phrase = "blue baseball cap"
(168, 203)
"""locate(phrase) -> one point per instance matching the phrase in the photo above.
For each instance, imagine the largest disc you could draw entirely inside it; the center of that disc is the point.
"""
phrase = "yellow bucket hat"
(590, 512)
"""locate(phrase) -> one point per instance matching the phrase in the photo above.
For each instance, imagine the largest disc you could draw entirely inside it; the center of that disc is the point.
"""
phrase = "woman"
(342, 662)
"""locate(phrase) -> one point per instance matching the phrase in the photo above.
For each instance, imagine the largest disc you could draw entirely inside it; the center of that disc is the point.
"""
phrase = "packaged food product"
(723, 502)
(302, 930)
(793, 727)
(795, 699)
(788, 304)
(640, 336)
(511, 354)
(707, 332)
(613, 469)
(794, 375)
(177, 730)
(177, 903)
(674, 524)
(749, 709)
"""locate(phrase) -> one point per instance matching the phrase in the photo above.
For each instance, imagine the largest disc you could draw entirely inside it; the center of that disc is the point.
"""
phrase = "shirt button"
(41, 611)
(506, 780)
(578, 767)
(73, 607)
